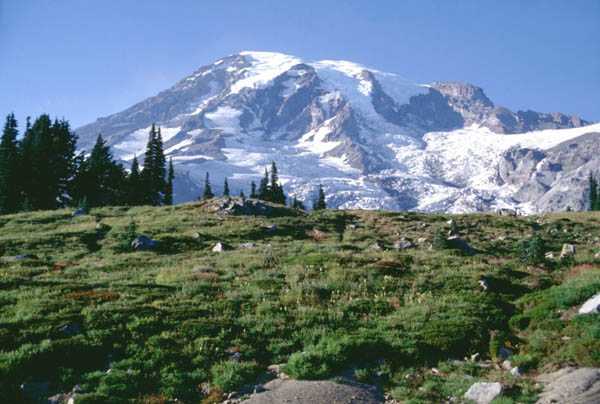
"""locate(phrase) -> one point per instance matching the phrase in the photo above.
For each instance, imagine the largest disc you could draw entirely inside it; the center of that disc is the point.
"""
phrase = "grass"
(312, 294)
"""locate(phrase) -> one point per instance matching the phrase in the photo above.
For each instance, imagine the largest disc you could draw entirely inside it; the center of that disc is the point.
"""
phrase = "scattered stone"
(457, 243)
(516, 371)
(549, 255)
(248, 245)
(57, 399)
(501, 238)
(403, 244)
(504, 353)
(73, 399)
(451, 232)
(597, 255)
(484, 284)
(484, 392)
(271, 229)
(275, 369)
(241, 206)
(220, 247)
(79, 212)
(422, 240)
(77, 389)
(423, 224)
(20, 257)
(507, 365)
(591, 306)
(352, 226)
(196, 234)
(70, 329)
(451, 222)
(570, 385)
(567, 249)
(259, 389)
(143, 243)
(474, 357)
(235, 357)
(375, 246)
(507, 212)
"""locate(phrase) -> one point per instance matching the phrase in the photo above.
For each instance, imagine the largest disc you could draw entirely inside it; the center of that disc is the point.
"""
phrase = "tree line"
(43, 171)
(269, 189)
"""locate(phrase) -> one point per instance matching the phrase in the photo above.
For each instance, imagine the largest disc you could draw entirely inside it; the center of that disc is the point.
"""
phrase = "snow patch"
(264, 67)
(224, 118)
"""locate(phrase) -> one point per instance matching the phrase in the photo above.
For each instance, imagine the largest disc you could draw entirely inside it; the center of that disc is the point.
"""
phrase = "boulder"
(143, 243)
(507, 365)
(567, 249)
(57, 399)
(70, 329)
(504, 353)
(403, 244)
(483, 284)
(549, 255)
(79, 212)
(220, 247)
(507, 212)
(248, 245)
(591, 306)
(457, 243)
(422, 240)
(516, 371)
(20, 257)
(484, 392)
(271, 229)
(196, 234)
(597, 255)
(375, 246)
(570, 385)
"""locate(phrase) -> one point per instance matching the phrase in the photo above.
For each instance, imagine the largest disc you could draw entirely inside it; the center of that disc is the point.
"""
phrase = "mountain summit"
(373, 139)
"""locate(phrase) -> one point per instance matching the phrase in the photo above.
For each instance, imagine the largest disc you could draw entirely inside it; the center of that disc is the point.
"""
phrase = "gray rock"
(271, 229)
(236, 356)
(571, 386)
(516, 371)
(403, 244)
(77, 389)
(259, 389)
(484, 392)
(507, 365)
(597, 255)
(143, 243)
(20, 257)
(79, 212)
(220, 247)
(70, 329)
(567, 249)
(507, 212)
(57, 399)
(504, 353)
(422, 240)
(483, 284)
(248, 245)
(196, 234)
(375, 246)
(549, 255)
(457, 243)
(591, 306)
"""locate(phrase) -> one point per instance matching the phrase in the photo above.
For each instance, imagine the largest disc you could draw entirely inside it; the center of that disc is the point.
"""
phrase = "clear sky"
(83, 59)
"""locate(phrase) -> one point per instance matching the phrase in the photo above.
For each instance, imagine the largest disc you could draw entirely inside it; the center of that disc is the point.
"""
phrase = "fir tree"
(263, 187)
(253, 190)
(25, 176)
(64, 165)
(242, 194)
(319, 203)
(207, 191)
(135, 187)
(169, 185)
(594, 196)
(225, 188)
(154, 171)
(10, 194)
(296, 204)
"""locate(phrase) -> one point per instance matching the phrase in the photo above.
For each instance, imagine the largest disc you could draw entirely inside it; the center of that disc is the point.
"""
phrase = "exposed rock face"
(484, 392)
(591, 306)
(457, 243)
(143, 243)
(373, 139)
(573, 386)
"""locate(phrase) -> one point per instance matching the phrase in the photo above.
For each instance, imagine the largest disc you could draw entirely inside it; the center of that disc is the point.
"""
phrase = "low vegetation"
(321, 292)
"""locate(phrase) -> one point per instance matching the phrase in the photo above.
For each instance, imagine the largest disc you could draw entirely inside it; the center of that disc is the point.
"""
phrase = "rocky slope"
(374, 139)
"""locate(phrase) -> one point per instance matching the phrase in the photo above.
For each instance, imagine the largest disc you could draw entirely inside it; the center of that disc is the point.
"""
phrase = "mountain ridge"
(368, 131)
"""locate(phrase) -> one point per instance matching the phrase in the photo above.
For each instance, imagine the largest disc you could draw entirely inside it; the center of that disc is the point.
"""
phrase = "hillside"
(374, 139)
(328, 293)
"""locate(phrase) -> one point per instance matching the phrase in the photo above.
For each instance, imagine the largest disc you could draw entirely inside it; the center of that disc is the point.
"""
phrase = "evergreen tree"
(242, 194)
(263, 187)
(64, 165)
(10, 194)
(296, 204)
(319, 203)
(276, 194)
(101, 181)
(169, 185)
(594, 196)
(253, 190)
(154, 171)
(225, 188)
(135, 187)
(25, 176)
(207, 191)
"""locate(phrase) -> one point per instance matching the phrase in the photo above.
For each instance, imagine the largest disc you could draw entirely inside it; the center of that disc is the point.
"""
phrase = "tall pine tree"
(225, 188)
(253, 190)
(169, 185)
(154, 171)
(319, 203)
(208, 193)
(594, 196)
(10, 194)
(135, 186)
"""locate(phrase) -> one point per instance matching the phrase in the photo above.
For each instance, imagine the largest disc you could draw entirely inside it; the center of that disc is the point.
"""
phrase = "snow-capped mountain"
(373, 139)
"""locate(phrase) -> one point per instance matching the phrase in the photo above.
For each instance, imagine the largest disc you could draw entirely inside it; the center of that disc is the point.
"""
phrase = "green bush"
(229, 375)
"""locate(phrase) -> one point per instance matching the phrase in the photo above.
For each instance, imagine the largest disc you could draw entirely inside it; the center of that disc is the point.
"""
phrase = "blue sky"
(85, 59)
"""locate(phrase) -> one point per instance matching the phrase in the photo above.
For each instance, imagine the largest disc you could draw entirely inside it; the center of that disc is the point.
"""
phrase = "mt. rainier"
(373, 139)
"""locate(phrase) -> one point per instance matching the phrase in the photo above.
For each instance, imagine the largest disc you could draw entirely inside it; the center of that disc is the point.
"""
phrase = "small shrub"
(439, 240)
(229, 375)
